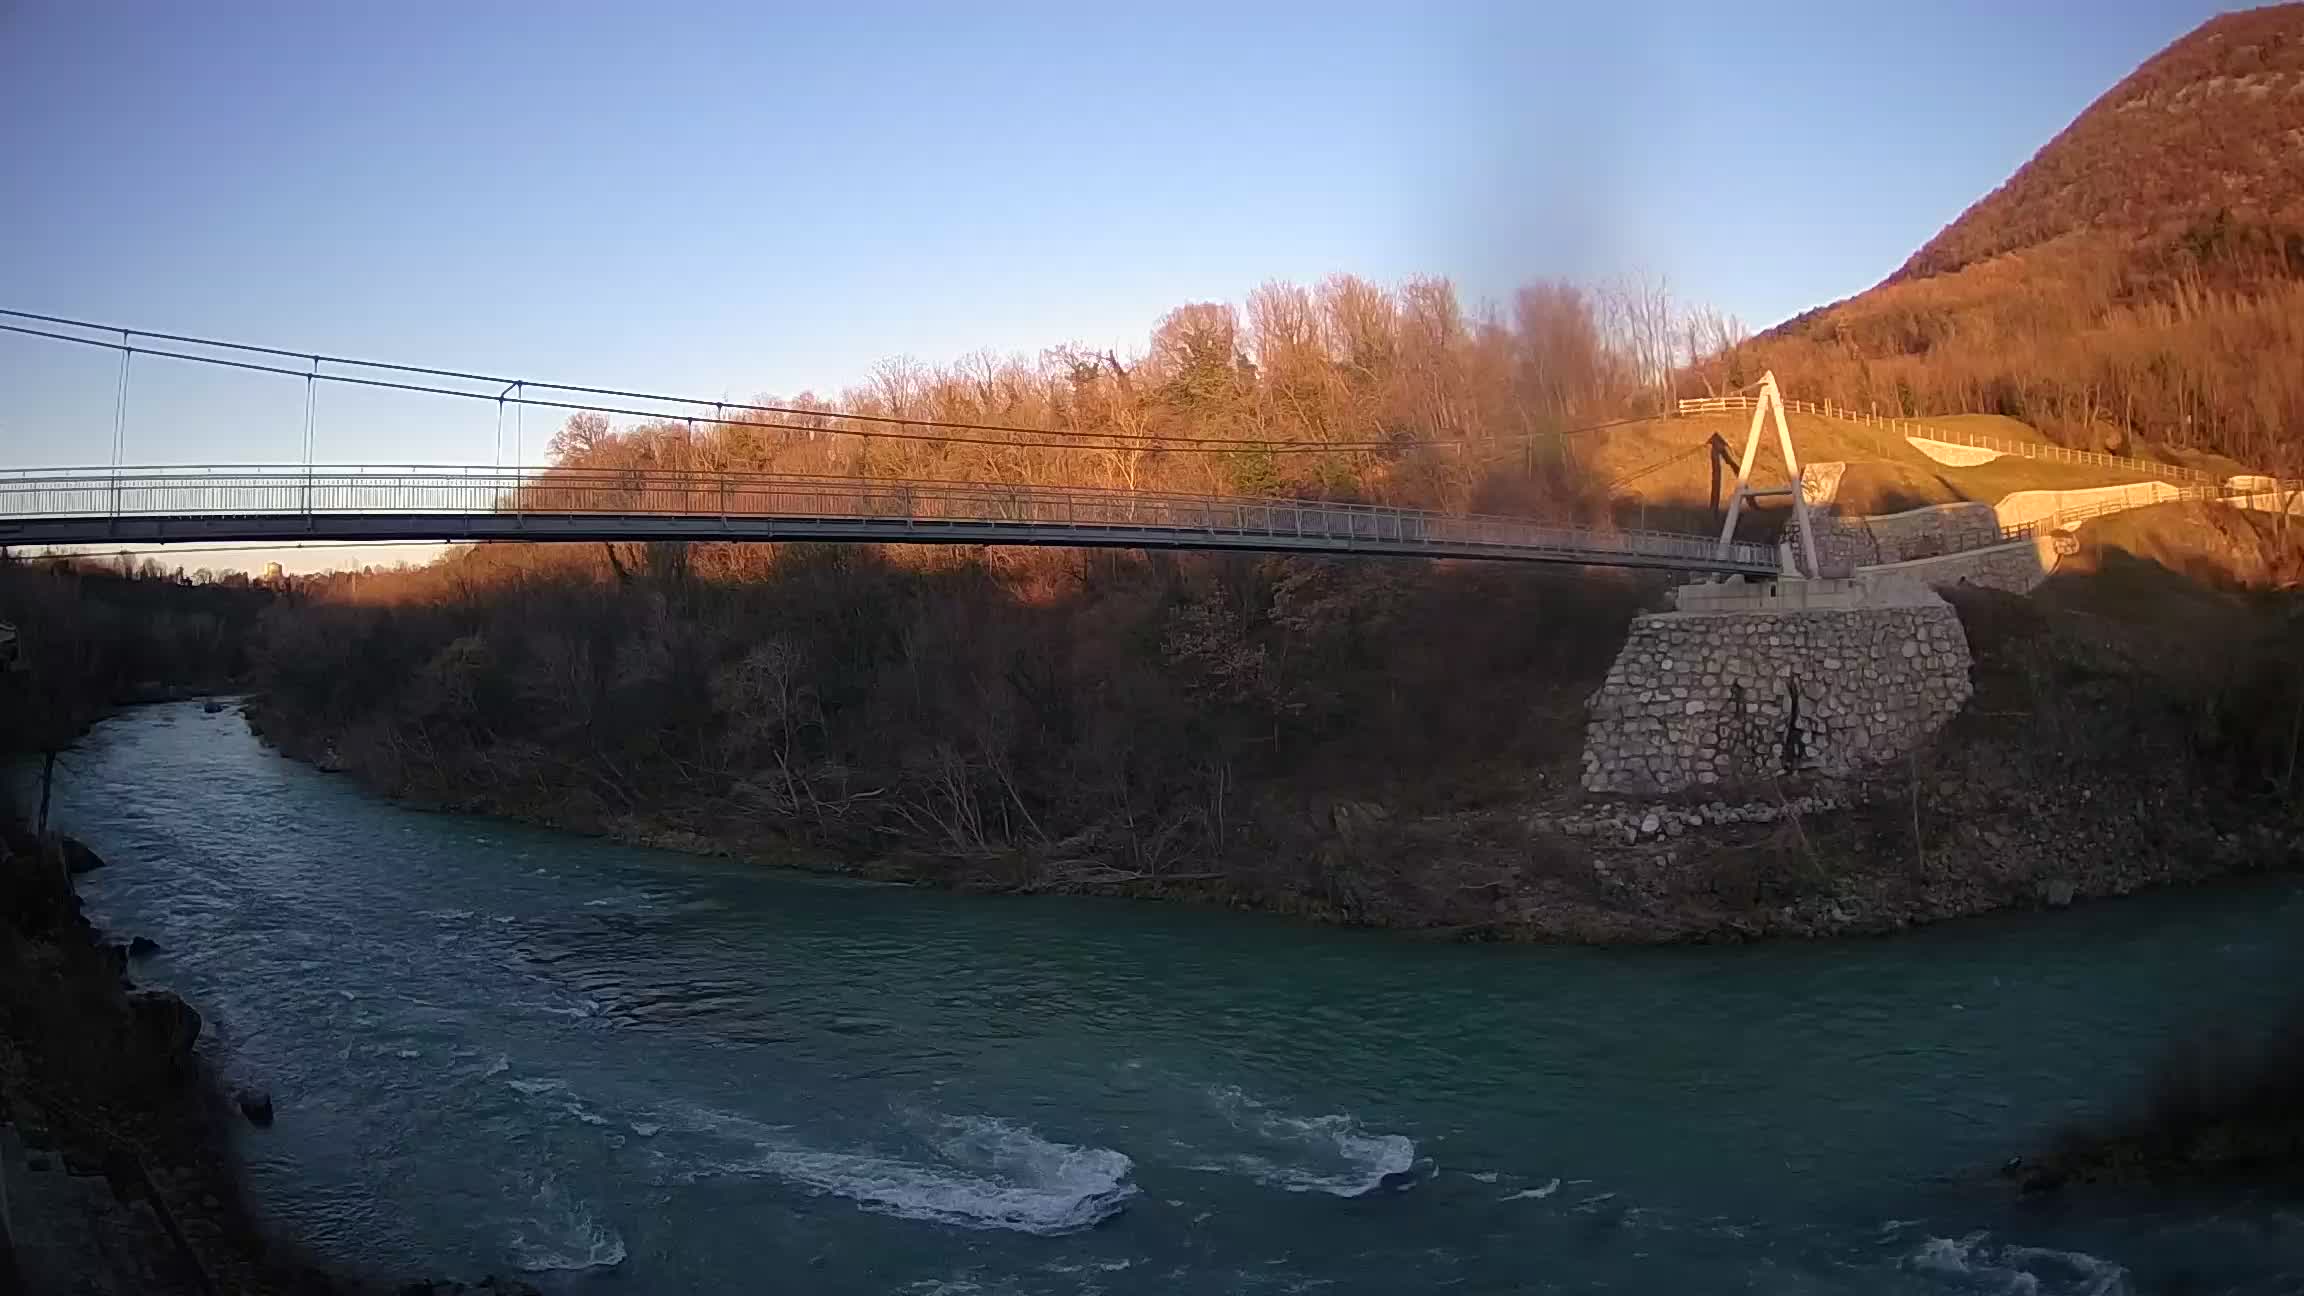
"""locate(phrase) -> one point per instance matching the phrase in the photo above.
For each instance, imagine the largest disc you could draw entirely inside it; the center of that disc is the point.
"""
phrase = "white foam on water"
(1328, 1154)
(963, 1284)
(1971, 1263)
(1114, 1265)
(979, 1172)
(1943, 1255)
(558, 1094)
(1533, 1194)
(2089, 1275)
(561, 1233)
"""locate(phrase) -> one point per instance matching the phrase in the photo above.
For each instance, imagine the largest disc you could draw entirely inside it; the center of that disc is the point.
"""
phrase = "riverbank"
(496, 1045)
(116, 1153)
(2223, 1110)
(1376, 744)
(1835, 860)
(2096, 760)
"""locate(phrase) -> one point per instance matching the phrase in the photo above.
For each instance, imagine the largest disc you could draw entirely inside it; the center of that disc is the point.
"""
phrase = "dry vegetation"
(1348, 391)
(1655, 472)
(91, 635)
(2140, 280)
(1059, 719)
(2221, 1110)
(1039, 718)
(2222, 102)
(2215, 548)
(1358, 740)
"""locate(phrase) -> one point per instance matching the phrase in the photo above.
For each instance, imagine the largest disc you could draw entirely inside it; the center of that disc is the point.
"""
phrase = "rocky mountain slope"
(2209, 129)
(2140, 280)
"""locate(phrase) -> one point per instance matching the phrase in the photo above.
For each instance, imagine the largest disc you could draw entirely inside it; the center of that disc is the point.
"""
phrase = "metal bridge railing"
(922, 506)
(2064, 518)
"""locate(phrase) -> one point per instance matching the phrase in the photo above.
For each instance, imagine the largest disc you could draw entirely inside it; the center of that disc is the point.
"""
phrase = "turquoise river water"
(498, 1048)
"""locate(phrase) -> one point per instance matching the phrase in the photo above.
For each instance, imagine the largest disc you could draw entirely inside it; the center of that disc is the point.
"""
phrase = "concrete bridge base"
(1743, 683)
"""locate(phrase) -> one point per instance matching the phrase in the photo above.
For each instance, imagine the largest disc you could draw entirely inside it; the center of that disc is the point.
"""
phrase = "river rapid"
(498, 1048)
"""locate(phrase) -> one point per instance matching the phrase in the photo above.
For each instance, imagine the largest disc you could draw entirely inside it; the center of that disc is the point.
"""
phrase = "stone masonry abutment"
(1744, 684)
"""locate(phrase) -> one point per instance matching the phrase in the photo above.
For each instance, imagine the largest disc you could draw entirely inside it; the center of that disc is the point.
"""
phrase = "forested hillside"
(2141, 279)
(1068, 714)
(91, 635)
(1347, 390)
(1041, 718)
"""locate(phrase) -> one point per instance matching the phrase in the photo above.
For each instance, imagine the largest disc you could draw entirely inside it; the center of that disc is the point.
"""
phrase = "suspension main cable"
(1171, 442)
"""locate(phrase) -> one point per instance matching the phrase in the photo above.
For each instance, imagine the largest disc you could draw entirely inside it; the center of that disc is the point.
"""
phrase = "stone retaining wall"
(1707, 699)
(1901, 537)
(2017, 567)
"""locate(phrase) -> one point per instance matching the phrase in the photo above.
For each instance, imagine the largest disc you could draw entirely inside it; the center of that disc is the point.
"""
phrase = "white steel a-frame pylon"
(1771, 402)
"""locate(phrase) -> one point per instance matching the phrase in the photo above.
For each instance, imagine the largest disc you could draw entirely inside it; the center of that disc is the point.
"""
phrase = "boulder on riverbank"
(162, 1027)
(256, 1105)
(78, 859)
(127, 1182)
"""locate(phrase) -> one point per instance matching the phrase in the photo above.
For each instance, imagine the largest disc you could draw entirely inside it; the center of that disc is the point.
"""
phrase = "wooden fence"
(1911, 428)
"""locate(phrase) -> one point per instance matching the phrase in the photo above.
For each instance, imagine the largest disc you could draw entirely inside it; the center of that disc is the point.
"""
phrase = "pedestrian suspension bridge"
(123, 503)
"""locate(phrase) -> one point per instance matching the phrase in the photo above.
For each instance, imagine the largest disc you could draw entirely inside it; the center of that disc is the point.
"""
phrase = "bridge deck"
(148, 505)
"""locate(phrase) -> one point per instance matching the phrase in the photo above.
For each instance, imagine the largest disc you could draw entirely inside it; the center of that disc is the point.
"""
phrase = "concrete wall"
(1820, 482)
(1952, 454)
(1956, 529)
(1706, 699)
(2269, 501)
(2031, 506)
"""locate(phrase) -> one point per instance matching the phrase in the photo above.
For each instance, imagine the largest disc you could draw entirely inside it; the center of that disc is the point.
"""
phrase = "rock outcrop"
(78, 859)
(164, 1027)
(117, 1176)
(256, 1105)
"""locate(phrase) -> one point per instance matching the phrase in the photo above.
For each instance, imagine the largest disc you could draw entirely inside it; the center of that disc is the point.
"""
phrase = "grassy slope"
(1885, 473)
(1991, 425)
(2216, 548)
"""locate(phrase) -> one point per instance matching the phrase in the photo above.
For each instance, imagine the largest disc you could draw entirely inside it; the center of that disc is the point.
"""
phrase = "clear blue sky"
(737, 198)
